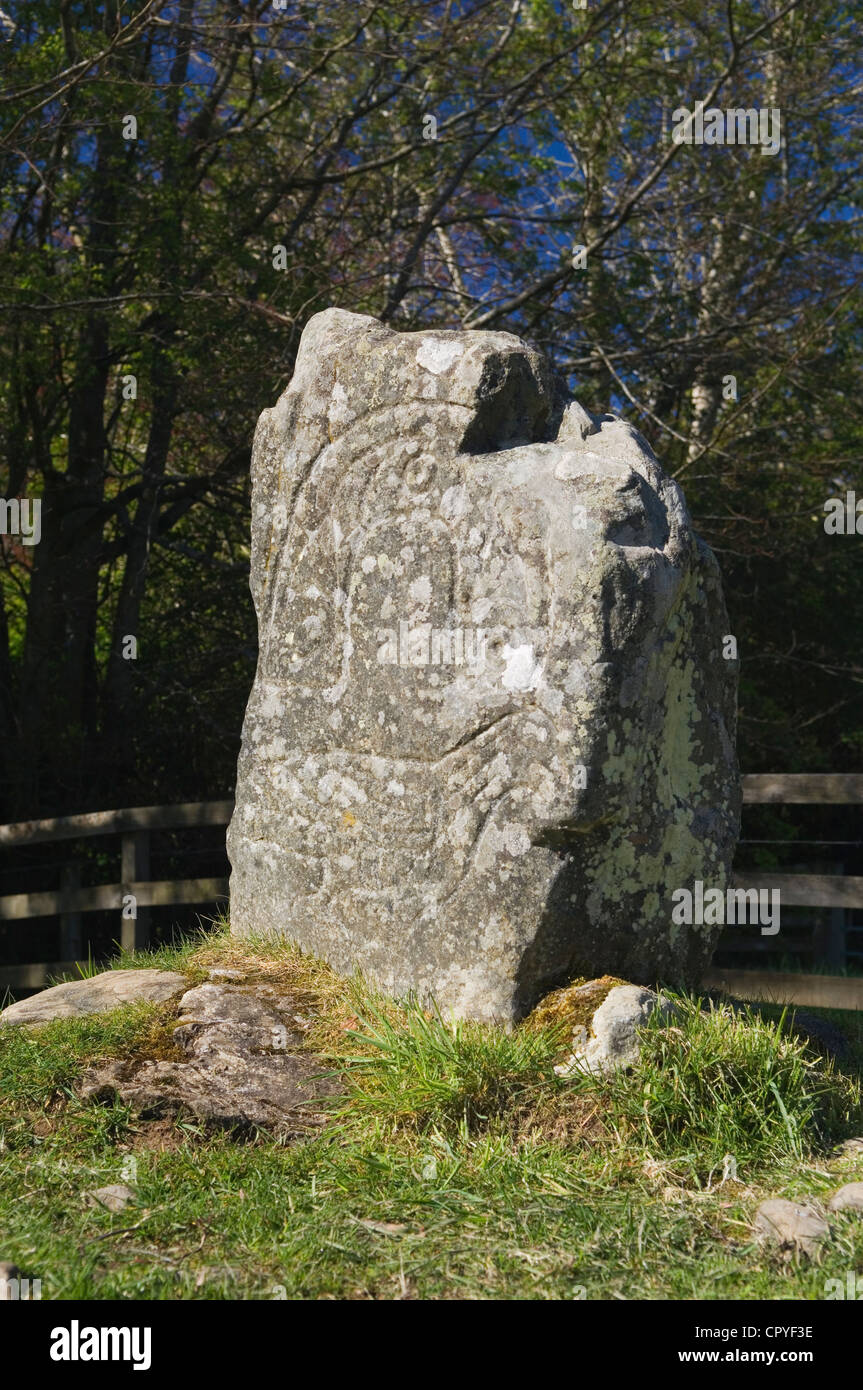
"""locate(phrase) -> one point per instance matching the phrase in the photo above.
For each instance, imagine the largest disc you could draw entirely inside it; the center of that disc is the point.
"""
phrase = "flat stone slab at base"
(242, 1068)
(850, 1148)
(98, 995)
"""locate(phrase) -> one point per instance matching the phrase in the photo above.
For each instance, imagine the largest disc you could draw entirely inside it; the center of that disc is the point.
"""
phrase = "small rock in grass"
(850, 1148)
(848, 1198)
(612, 1038)
(115, 1197)
(221, 972)
(790, 1225)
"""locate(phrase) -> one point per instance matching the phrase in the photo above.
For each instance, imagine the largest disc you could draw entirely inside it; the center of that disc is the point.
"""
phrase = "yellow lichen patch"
(571, 1008)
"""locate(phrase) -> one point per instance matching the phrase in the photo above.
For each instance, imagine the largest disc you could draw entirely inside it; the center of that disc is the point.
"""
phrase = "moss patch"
(569, 1010)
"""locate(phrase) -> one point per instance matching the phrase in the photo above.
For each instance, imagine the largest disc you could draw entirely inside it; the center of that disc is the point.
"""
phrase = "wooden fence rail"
(802, 788)
(31, 832)
(132, 896)
(137, 892)
(787, 987)
(805, 890)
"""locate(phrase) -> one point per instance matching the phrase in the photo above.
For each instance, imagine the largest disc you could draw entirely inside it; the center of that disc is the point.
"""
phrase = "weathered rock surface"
(611, 1038)
(242, 1069)
(572, 1007)
(492, 726)
(848, 1198)
(790, 1226)
(95, 996)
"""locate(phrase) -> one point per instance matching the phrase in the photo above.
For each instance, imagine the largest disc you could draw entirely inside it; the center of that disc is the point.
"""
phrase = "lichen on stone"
(571, 1008)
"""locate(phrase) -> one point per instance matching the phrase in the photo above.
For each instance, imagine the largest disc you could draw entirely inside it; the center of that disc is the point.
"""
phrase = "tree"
(184, 182)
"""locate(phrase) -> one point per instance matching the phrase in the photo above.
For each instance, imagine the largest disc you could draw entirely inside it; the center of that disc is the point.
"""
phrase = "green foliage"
(153, 257)
(36, 1065)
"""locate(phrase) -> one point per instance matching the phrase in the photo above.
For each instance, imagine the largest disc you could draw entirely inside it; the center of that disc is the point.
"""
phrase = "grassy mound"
(456, 1163)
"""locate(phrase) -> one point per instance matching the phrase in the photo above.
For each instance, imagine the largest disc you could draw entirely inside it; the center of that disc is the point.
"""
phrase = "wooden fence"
(135, 893)
(136, 888)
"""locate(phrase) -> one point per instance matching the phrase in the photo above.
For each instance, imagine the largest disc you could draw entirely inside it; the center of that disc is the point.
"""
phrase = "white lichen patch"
(438, 355)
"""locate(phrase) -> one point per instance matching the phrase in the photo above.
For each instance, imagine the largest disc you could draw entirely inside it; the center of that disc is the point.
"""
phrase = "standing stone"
(492, 725)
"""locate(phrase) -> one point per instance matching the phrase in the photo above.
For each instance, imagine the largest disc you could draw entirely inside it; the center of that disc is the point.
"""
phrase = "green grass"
(418, 1071)
(456, 1163)
(717, 1083)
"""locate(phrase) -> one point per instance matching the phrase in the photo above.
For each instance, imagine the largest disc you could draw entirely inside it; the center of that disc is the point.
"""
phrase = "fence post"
(836, 941)
(828, 938)
(71, 943)
(135, 868)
